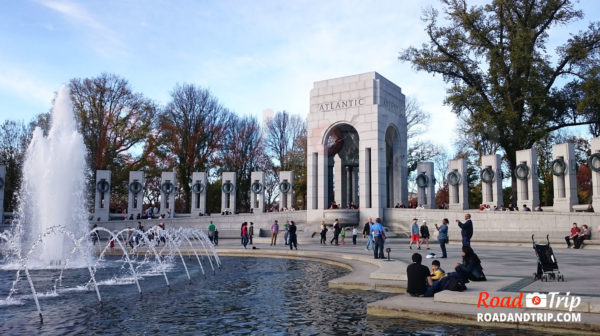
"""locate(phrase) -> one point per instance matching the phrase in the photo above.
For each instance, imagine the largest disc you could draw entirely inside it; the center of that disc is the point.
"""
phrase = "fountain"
(51, 235)
(53, 189)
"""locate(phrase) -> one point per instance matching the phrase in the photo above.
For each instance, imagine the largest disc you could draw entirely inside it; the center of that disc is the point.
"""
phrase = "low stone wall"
(224, 223)
(496, 226)
(489, 226)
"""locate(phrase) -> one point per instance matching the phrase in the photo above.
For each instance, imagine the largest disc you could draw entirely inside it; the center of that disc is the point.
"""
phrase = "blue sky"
(252, 55)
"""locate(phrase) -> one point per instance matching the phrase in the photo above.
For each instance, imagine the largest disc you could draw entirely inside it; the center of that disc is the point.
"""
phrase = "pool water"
(258, 296)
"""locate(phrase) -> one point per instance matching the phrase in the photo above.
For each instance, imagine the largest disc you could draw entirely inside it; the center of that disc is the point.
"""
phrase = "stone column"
(366, 181)
(526, 173)
(2, 188)
(426, 192)
(198, 193)
(323, 179)
(459, 193)
(491, 168)
(286, 198)
(565, 181)
(594, 163)
(228, 192)
(257, 192)
(356, 198)
(168, 186)
(348, 186)
(135, 198)
(102, 199)
(338, 184)
(312, 181)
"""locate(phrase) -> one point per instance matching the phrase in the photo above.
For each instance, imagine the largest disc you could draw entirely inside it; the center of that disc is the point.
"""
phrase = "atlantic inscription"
(341, 104)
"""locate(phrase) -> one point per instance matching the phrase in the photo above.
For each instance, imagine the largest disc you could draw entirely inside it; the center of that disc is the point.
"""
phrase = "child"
(354, 234)
(323, 233)
(343, 235)
(436, 272)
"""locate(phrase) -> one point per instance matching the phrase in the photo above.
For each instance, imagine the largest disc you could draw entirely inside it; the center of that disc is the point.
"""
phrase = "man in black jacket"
(466, 230)
(419, 281)
(367, 233)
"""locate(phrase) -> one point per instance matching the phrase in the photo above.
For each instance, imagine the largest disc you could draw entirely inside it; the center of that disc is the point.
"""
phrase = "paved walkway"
(509, 271)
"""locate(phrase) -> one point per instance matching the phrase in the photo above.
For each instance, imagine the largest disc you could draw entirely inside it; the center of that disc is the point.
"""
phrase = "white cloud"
(21, 83)
(103, 40)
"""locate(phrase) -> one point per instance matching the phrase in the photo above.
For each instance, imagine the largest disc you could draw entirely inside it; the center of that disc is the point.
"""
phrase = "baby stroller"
(547, 268)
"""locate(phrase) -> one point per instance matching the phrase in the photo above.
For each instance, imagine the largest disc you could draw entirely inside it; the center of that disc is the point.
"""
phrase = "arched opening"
(342, 145)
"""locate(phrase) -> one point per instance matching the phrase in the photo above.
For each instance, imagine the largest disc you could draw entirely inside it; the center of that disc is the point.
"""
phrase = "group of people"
(578, 235)
(339, 234)
(134, 238)
(423, 282)
(350, 205)
(290, 236)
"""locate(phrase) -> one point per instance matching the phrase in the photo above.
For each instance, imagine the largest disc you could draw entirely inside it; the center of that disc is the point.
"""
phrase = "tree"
(281, 132)
(297, 157)
(14, 139)
(192, 128)
(501, 76)
(286, 144)
(114, 121)
(242, 152)
(417, 121)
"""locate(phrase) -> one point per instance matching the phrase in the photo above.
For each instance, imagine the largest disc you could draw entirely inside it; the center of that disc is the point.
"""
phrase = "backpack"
(456, 284)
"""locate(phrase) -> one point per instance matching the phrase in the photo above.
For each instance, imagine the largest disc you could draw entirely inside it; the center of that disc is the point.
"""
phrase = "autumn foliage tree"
(113, 120)
(191, 130)
(243, 152)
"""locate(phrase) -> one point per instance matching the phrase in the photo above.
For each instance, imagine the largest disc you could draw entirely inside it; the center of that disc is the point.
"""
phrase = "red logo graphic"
(536, 300)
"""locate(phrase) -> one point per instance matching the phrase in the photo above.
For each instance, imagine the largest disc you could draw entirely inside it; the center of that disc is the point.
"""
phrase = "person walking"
(293, 238)
(286, 235)
(354, 235)
(245, 234)
(336, 232)
(379, 238)
(466, 230)
(323, 233)
(443, 236)
(414, 234)
(343, 235)
(424, 235)
(274, 232)
(251, 232)
(367, 234)
(211, 232)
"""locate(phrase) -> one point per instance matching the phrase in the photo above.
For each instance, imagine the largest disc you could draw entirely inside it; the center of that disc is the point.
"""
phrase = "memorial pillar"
(102, 199)
(286, 190)
(228, 192)
(168, 186)
(491, 180)
(527, 177)
(198, 193)
(257, 188)
(564, 171)
(135, 197)
(458, 185)
(425, 185)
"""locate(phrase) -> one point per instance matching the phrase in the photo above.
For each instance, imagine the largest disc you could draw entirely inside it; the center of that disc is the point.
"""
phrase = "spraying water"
(53, 189)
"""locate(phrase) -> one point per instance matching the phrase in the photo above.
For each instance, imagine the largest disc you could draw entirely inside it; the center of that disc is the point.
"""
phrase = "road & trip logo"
(543, 301)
